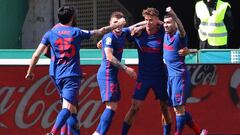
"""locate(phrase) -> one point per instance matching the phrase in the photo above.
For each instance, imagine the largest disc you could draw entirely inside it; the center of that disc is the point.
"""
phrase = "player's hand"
(121, 22)
(183, 52)
(99, 44)
(136, 31)
(193, 50)
(160, 22)
(170, 11)
(29, 76)
(131, 72)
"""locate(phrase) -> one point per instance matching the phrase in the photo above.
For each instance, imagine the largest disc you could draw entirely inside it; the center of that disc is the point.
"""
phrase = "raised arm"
(106, 29)
(178, 21)
(137, 28)
(139, 24)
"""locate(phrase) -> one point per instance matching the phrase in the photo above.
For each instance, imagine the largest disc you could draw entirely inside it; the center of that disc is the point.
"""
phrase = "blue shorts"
(158, 86)
(178, 89)
(68, 88)
(109, 90)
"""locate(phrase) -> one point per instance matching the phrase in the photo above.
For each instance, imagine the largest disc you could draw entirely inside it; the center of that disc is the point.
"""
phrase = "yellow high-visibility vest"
(212, 28)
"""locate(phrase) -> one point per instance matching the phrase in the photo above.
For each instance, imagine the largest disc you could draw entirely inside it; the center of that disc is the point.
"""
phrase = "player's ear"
(175, 23)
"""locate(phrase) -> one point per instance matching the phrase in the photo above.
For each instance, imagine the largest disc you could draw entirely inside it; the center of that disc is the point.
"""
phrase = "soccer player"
(112, 45)
(178, 85)
(65, 40)
(151, 70)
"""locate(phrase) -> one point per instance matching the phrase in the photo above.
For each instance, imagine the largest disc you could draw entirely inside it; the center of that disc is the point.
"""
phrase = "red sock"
(193, 125)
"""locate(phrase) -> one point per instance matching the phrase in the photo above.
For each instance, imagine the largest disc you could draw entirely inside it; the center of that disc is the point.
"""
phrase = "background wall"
(12, 18)
(39, 18)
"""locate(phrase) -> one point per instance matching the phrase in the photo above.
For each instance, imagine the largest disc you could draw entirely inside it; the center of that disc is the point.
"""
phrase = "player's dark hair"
(151, 12)
(167, 15)
(117, 14)
(65, 14)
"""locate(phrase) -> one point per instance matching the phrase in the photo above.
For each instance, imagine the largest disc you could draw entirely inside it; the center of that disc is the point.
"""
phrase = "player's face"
(170, 25)
(151, 22)
(117, 31)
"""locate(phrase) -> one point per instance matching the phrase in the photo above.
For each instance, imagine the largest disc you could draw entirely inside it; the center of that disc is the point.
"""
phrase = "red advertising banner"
(30, 107)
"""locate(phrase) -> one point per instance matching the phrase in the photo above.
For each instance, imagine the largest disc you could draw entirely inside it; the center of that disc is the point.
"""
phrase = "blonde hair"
(151, 12)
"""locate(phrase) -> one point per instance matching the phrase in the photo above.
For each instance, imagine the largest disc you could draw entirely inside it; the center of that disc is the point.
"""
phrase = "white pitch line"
(47, 61)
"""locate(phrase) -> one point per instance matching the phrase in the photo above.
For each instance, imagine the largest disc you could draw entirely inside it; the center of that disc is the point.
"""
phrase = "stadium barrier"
(31, 106)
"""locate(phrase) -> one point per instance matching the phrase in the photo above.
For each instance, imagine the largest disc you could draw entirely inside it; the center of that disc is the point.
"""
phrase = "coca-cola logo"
(233, 88)
(203, 74)
(30, 111)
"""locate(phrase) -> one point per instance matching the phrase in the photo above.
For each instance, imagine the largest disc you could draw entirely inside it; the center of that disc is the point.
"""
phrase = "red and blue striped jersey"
(117, 43)
(65, 45)
(175, 63)
(150, 55)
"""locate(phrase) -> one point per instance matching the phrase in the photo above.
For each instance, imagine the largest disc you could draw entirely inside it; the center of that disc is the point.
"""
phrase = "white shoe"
(204, 132)
(95, 133)
(49, 134)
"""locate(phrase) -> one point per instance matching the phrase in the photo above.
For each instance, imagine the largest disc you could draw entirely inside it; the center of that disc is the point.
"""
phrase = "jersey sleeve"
(85, 34)
(138, 40)
(126, 30)
(183, 40)
(107, 41)
(128, 34)
(45, 39)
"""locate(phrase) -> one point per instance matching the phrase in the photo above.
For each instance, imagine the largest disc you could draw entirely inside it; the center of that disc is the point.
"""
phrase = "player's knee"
(166, 120)
(112, 105)
(72, 108)
(135, 108)
(166, 116)
(179, 110)
(135, 105)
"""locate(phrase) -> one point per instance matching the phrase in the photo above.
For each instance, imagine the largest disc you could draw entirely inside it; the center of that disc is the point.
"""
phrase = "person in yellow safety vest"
(213, 20)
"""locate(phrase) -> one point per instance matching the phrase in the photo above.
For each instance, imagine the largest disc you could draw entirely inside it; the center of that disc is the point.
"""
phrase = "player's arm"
(47, 51)
(115, 62)
(134, 29)
(137, 28)
(142, 23)
(99, 44)
(185, 51)
(178, 21)
(35, 57)
(106, 29)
